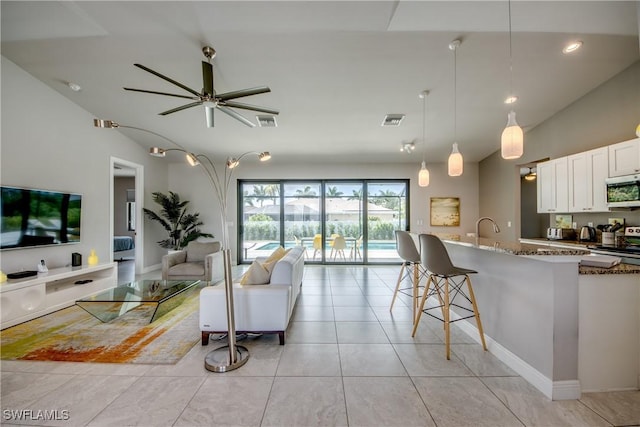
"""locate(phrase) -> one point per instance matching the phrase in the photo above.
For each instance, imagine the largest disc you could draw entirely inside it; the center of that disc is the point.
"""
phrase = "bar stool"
(448, 281)
(411, 268)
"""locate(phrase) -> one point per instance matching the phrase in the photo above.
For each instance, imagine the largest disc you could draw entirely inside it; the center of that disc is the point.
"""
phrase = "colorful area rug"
(73, 335)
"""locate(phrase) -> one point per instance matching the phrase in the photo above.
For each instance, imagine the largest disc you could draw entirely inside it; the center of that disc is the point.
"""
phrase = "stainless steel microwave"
(623, 191)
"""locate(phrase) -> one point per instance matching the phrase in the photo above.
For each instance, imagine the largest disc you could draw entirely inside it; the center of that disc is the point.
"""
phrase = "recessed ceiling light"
(511, 99)
(74, 86)
(572, 47)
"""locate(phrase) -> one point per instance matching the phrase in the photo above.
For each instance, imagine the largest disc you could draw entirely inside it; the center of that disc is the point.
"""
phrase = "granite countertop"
(618, 269)
(518, 248)
(514, 248)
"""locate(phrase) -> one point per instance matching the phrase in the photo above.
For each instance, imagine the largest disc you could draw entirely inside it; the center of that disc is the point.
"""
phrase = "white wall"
(193, 185)
(606, 115)
(49, 142)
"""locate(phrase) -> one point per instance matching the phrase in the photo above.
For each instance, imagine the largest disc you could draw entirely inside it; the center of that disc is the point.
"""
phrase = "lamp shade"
(264, 156)
(192, 159)
(638, 131)
(455, 161)
(423, 176)
(157, 152)
(512, 138)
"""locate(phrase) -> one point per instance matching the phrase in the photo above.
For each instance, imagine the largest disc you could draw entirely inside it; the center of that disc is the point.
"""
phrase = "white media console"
(26, 299)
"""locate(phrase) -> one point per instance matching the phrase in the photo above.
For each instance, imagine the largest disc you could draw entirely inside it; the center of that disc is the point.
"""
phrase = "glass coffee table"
(161, 296)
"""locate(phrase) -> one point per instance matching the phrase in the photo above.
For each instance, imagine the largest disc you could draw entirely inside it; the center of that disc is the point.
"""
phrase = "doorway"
(532, 223)
(126, 213)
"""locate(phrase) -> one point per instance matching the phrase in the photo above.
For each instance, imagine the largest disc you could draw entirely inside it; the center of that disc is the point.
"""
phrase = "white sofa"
(264, 309)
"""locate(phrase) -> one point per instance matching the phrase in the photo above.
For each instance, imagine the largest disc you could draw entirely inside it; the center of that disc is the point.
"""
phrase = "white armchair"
(198, 261)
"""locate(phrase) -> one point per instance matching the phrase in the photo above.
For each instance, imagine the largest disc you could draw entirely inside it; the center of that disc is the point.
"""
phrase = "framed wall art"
(445, 211)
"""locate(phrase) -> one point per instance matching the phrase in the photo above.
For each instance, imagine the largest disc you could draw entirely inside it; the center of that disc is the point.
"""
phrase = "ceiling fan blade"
(234, 104)
(236, 115)
(155, 73)
(207, 78)
(208, 111)
(184, 107)
(161, 93)
(243, 92)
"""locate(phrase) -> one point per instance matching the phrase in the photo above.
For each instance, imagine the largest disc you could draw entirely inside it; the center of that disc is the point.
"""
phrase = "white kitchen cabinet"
(552, 186)
(587, 172)
(624, 158)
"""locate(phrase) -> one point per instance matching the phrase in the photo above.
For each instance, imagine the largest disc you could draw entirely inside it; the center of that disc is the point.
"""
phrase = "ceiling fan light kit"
(531, 175)
(208, 98)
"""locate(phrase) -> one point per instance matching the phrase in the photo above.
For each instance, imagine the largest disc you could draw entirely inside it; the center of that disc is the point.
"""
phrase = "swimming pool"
(273, 245)
(384, 245)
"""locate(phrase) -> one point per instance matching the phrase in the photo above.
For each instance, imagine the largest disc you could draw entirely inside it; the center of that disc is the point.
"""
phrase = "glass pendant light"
(512, 138)
(423, 175)
(455, 163)
(512, 141)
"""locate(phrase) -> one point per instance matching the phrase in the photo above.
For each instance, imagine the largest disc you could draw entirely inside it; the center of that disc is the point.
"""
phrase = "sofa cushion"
(187, 269)
(197, 251)
(257, 274)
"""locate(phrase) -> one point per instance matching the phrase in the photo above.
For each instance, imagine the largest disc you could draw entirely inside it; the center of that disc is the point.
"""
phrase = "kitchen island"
(563, 327)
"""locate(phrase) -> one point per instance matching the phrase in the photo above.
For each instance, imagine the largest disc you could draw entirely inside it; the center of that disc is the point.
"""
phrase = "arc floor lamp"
(232, 356)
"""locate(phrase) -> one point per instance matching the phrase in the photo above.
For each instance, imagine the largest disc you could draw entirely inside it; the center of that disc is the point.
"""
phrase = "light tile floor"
(348, 361)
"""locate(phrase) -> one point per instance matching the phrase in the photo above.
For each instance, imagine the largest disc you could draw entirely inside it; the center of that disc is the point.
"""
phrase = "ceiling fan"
(208, 97)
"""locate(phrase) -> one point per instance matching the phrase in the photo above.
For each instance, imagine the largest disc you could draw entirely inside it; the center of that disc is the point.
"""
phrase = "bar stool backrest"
(434, 255)
(406, 247)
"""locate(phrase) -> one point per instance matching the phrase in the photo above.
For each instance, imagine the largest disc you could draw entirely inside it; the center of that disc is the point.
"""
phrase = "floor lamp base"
(218, 360)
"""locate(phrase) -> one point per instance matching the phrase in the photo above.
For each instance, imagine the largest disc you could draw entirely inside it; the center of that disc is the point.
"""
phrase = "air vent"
(392, 119)
(267, 121)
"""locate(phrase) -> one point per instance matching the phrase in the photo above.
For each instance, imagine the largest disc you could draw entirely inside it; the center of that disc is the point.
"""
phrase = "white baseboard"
(152, 268)
(554, 390)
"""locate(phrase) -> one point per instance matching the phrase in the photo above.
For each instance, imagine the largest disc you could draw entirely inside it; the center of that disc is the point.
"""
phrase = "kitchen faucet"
(496, 229)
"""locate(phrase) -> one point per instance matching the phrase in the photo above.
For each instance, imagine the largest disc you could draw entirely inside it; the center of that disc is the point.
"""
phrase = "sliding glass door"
(336, 221)
(387, 212)
(343, 221)
(260, 220)
(303, 216)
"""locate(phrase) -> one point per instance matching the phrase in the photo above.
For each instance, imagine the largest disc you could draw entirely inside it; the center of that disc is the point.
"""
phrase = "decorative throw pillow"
(273, 259)
(257, 274)
(276, 255)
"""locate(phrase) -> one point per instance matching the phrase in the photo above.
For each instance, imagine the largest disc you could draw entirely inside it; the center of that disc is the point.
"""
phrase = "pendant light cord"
(510, 55)
(455, 94)
(424, 141)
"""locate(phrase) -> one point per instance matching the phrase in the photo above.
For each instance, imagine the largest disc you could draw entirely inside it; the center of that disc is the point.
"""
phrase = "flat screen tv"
(33, 217)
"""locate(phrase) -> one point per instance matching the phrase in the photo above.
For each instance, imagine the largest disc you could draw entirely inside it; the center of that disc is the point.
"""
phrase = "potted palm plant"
(181, 226)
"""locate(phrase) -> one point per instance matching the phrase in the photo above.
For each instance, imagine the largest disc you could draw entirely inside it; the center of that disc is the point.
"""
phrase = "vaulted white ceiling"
(335, 68)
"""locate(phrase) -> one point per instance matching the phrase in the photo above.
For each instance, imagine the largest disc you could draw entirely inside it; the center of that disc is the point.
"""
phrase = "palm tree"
(273, 190)
(307, 192)
(248, 200)
(357, 195)
(181, 226)
(260, 193)
(389, 199)
(333, 192)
